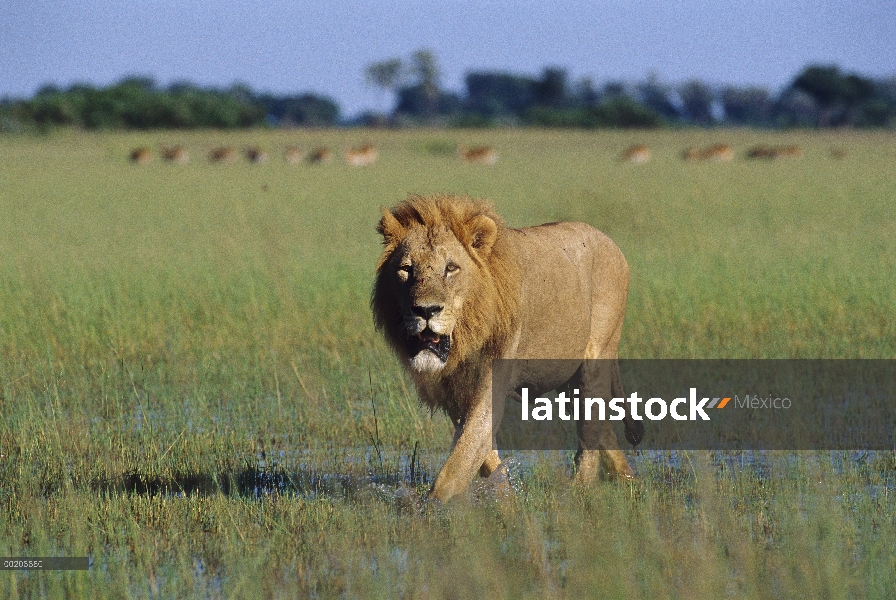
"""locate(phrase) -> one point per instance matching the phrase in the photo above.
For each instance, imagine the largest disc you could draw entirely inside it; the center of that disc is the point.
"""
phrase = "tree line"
(819, 96)
(139, 103)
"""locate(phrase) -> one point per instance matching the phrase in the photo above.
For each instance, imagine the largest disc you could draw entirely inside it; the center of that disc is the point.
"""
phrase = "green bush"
(622, 112)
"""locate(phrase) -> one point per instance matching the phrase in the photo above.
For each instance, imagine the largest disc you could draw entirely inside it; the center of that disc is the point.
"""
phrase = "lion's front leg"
(491, 464)
(492, 461)
(472, 451)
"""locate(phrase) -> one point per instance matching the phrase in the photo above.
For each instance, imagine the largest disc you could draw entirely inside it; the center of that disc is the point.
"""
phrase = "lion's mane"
(489, 314)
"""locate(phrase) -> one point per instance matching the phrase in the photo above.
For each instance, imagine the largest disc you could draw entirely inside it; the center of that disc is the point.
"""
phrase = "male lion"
(456, 288)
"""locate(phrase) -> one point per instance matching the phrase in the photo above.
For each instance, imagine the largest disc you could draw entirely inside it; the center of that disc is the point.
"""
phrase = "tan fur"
(320, 155)
(789, 152)
(481, 155)
(293, 155)
(690, 154)
(718, 153)
(362, 156)
(255, 154)
(452, 268)
(222, 154)
(639, 153)
(141, 156)
(177, 154)
(773, 152)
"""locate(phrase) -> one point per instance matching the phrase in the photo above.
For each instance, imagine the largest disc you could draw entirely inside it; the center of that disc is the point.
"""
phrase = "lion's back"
(565, 269)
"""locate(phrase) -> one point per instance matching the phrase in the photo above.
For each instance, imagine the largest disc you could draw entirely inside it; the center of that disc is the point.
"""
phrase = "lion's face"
(435, 296)
(433, 273)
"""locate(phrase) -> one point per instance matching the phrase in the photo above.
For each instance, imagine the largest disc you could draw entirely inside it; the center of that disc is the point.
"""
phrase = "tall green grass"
(192, 392)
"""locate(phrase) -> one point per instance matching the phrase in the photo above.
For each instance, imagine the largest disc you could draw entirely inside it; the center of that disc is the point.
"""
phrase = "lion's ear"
(483, 232)
(393, 232)
(390, 228)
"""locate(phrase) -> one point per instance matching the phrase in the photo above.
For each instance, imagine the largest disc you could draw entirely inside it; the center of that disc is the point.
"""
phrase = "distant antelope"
(761, 151)
(719, 152)
(320, 155)
(177, 154)
(691, 154)
(789, 152)
(141, 156)
(769, 152)
(482, 155)
(361, 156)
(222, 154)
(256, 155)
(294, 155)
(639, 153)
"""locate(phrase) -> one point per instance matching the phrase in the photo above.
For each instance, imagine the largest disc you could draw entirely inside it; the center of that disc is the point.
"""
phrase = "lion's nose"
(426, 312)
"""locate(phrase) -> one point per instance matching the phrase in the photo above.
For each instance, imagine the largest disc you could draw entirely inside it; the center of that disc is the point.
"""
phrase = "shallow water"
(364, 473)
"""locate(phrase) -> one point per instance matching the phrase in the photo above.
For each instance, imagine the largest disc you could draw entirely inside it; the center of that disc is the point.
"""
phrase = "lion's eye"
(451, 268)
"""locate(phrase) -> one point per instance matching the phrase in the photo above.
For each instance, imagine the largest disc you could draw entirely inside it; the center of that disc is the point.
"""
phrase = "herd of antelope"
(640, 153)
(359, 156)
(367, 154)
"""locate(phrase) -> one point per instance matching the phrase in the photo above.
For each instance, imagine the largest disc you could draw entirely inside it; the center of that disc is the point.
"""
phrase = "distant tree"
(498, 94)
(656, 96)
(145, 83)
(241, 92)
(80, 88)
(584, 93)
(416, 101)
(544, 116)
(614, 89)
(795, 108)
(305, 110)
(747, 105)
(887, 90)
(48, 89)
(182, 87)
(880, 109)
(621, 112)
(426, 76)
(385, 75)
(416, 83)
(550, 90)
(859, 92)
(876, 112)
(826, 86)
(697, 98)
(837, 95)
(51, 109)
(626, 112)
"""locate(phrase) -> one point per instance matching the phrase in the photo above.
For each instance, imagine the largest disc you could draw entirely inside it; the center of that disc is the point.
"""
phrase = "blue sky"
(292, 46)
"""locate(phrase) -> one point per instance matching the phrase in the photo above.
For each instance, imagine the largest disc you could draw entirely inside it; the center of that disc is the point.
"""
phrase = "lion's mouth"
(429, 340)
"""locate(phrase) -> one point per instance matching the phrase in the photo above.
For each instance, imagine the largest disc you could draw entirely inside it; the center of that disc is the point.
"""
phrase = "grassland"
(192, 392)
